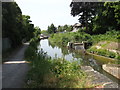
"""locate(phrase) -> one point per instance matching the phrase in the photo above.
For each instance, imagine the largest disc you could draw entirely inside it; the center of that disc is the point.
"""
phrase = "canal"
(95, 62)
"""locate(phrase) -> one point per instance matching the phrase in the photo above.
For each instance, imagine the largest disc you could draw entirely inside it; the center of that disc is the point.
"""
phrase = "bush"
(63, 38)
(103, 52)
(29, 53)
(118, 57)
(53, 73)
(111, 54)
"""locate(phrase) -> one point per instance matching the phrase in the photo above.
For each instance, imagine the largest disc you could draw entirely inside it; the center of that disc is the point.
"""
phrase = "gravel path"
(15, 69)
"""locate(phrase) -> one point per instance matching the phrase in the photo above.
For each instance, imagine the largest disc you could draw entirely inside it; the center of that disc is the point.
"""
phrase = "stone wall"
(113, 69)
(99, 79)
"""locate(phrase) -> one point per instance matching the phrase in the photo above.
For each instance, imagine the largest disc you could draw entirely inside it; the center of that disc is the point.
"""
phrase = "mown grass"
(53, 73)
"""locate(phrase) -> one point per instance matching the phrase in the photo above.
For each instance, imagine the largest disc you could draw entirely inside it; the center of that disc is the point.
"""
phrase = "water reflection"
(69, 54)
(54, 51)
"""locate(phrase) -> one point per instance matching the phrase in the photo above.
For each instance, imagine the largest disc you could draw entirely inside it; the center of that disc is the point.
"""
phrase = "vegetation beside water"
(59, 73)
(61, 39)
(53, 73)
(93, 29)
(104, 52)
(64, 38)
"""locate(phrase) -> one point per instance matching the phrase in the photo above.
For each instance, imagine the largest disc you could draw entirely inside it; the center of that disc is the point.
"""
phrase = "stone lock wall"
(112, 69)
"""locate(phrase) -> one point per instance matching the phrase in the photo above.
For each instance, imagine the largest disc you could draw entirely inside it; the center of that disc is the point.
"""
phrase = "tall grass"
(64, 38)
(53, 73)
(61, 39)
(108, 36)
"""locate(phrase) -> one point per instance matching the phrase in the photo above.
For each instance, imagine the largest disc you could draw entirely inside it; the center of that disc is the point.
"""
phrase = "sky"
(45, 12)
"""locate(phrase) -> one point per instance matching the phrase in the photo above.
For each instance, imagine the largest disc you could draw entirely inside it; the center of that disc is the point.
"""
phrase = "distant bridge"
(43, 36)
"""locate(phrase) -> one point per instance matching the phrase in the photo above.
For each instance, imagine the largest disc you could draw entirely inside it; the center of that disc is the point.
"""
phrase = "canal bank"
(87, 60)
(98, 79)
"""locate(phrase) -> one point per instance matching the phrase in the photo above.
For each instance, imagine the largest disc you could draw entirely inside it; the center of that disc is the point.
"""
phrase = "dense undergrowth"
(64, 38)
(112, 36)
(53, 73)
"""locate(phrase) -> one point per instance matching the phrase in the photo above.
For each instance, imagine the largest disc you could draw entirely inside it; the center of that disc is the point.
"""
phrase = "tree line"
(97, 17)
(15, 26)
(53, 29)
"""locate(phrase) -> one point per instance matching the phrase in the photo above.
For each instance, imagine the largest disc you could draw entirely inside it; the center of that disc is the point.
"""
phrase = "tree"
(70, 28)
(15, 26)
(86, 11)
(108, 18)
(12, 23)
(97, 17)
(28, 27)
(65, 27)
(51, 29)
(60, 29)
(37, 31)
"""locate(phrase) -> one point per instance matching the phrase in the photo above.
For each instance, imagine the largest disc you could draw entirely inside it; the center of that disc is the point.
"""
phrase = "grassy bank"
(111, 37)
(53, 73)
(63, 38)
(104, 52)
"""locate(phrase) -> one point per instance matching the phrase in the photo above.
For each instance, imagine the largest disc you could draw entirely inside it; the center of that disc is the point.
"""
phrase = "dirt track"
(15, 69)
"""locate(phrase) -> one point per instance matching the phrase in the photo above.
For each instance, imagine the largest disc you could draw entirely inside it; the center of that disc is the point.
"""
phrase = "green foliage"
(97, 17)
(118, 57)
(81, 30)
(68, 72)
(69, 28)
(31, 51)
(61, 39)
(28, 28)
(51, 29)
(64, 38)
(12, 23)
(60, 28)
(52, 73)
(103, 52)
(15, 26)
(85, 11)
(65, 28)
(109, 12)
(37, 31)
(45, 32)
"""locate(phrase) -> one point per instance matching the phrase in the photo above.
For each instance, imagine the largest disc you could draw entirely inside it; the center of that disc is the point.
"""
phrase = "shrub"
(118, 57)
(53, 73)
(29, 53)
(102, 52)
(111, 54)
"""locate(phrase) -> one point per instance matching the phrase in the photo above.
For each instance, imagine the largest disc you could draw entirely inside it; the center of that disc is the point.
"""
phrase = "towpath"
(14, 70)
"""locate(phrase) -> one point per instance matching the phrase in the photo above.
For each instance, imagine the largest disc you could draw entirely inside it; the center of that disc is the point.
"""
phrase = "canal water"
(69, 54)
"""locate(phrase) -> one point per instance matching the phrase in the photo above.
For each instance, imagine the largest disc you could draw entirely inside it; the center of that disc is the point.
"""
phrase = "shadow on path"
(15, 69)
